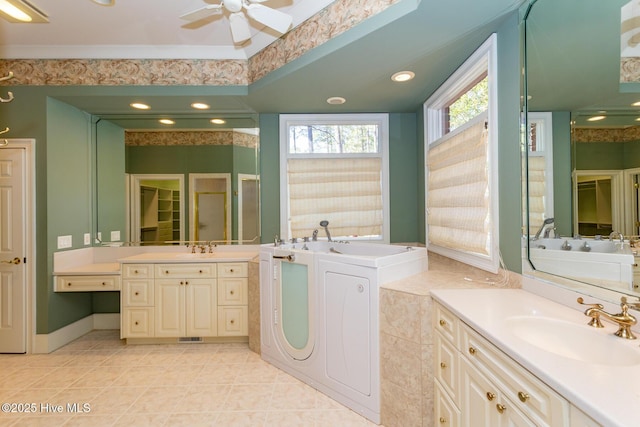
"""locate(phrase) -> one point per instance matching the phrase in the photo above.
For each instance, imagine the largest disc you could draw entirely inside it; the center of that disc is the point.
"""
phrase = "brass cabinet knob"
(136, 293)
(104, 284)
(200, 271)
(472, 351)
(166, 272)
(443, 365)
(501, 408)
(186, 282)
(231, 292)
(232, 321)
(442, 322)
(136, 323)
(490, 396)
(135, 271)
(523, 396)
(231, 270)
(443, 420)
(68, 283)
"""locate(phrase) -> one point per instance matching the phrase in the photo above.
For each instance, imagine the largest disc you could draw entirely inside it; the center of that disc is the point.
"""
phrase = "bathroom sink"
(198, 255)
(575, 341)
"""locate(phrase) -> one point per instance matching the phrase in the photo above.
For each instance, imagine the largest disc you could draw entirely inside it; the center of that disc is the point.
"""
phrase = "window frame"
(483, 60)
(380, 119)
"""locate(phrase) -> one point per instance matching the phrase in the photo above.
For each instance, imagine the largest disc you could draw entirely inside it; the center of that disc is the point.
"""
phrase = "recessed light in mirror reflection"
(218, 121)
(140, 106)
(596, 118)
(200, 106)
(167, 122)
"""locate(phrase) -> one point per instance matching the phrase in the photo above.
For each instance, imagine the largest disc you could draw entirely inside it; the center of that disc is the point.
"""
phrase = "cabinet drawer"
(185, 270)
(233, 291)
(87, 283)
(446, 414)
(446, 367)
(137, 292)
(532, 396)
(445, 323)
(233, 269)
(137, 271)
(137, 322)
(233, 321)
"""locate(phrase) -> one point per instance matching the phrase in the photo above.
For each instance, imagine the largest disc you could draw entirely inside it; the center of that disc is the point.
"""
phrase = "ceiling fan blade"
(203, 12)
(279, 21)
(239, 27)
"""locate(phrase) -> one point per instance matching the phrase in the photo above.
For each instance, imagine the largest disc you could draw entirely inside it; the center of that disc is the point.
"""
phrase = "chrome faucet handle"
(592, 312)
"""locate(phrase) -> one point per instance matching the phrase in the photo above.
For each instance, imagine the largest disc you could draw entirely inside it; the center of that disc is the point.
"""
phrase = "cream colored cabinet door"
(137, 322)
(482, 404)
(201, 308)
(170, 318)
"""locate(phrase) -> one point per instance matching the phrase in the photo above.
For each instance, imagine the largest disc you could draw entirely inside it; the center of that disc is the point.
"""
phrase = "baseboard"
(46, 343)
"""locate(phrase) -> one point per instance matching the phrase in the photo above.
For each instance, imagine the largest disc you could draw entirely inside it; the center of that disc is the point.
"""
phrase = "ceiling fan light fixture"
(21, 11)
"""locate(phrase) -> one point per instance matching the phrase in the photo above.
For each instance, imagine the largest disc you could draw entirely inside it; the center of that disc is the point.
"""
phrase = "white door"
(13, 290)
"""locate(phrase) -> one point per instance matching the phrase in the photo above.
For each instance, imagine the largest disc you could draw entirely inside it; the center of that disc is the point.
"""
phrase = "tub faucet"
(617, 235)
(314, 236)
(544, 225)
(324, 223)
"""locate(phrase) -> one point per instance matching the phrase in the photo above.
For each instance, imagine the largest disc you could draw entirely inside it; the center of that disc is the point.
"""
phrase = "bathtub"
(607, 262)
(319, 314)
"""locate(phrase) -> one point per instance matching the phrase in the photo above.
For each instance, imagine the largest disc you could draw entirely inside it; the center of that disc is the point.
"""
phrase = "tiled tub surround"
(406, 343)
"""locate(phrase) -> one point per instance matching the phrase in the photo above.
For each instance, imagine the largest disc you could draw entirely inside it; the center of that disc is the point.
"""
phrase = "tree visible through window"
(473, 101)
(339, 138)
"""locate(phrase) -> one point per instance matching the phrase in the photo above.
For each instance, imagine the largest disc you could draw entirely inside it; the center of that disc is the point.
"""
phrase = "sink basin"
(575, 341)
(198, 255)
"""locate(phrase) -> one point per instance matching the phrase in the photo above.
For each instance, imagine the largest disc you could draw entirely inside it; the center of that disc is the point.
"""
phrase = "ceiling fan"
(279, 21)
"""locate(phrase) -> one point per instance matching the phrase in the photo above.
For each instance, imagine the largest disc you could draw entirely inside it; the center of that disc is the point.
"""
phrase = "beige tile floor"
(159, 385)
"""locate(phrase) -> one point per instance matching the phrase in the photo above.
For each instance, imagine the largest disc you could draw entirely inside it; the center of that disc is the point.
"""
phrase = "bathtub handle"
(289, 258)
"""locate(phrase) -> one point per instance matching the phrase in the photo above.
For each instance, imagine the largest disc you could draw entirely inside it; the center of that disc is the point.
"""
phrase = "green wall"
(68, 207)
(562, 211)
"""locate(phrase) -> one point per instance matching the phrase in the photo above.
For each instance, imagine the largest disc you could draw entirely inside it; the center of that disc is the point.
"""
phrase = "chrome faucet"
(617, 235)
(624, 320)
(324, 223)
(314, 236)
(544, 225)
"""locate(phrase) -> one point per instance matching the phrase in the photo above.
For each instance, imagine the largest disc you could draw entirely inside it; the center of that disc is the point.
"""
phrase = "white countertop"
(609, 394)
(94, 269)
(188, 257)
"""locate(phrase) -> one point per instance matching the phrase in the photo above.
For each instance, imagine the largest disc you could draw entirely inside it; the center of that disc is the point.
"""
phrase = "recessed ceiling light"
(200, 106)
(167, 122)
(21, 11)
(636, 104)
(218, 121)
(596, 118)
(403, 76)
(140, 106)
(336, 100)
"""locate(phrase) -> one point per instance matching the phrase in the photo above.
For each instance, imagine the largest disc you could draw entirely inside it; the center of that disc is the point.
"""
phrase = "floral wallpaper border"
(332, 21)
(606, 135)
(184, 138)
(630, 70)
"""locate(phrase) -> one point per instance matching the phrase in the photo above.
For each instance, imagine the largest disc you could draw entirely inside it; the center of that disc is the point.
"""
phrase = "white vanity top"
(95, 261)
(188, 257)
(606, 391)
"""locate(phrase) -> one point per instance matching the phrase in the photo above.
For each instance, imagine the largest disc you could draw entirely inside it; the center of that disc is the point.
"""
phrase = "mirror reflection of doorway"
(209, 195)
(597, 201)
(249, 208)
(157, 208)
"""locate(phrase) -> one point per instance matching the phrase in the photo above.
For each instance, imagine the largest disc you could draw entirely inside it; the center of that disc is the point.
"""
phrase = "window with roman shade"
(334, 168)
(461, 173)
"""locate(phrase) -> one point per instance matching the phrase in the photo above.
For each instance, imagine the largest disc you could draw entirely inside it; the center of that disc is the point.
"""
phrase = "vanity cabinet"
(173, 300)
(75, 283)
(477, 384)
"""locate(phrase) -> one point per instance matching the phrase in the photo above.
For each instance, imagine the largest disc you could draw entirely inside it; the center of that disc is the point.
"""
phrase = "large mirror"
(581, 76)
(191, 181)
